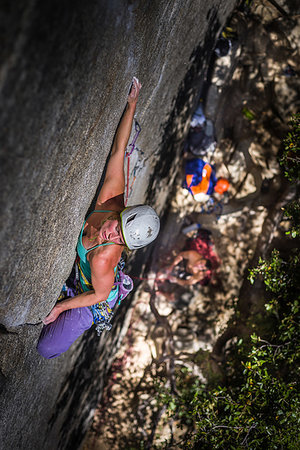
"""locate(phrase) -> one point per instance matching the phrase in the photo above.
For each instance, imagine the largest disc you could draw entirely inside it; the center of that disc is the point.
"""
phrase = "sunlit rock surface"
(65, 73)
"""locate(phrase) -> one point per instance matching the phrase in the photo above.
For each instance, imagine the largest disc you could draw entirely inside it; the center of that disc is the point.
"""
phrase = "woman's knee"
(46, 349)
(58, 336)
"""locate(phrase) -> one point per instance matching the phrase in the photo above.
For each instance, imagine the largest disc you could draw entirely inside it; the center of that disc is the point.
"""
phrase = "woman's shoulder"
(113, 204)
(107, 255)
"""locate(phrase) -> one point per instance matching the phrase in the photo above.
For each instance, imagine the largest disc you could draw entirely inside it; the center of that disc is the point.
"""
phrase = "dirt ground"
(250, 100)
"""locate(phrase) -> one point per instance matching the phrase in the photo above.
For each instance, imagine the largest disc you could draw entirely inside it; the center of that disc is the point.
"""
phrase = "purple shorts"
(57, 337)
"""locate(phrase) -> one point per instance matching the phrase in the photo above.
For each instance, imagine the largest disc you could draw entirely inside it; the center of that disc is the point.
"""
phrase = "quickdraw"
(128, 153)
(136, 170)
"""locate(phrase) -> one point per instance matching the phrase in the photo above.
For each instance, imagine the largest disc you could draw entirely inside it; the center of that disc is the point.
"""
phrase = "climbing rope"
(128, 153)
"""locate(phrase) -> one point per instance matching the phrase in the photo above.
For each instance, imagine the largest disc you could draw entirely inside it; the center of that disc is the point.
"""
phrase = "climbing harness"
(103, 312)
(128, 153)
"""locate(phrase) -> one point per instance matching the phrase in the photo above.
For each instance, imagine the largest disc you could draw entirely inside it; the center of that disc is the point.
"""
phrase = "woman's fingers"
(136, 83)
(50, 318)
(53, 315)
(134, 91)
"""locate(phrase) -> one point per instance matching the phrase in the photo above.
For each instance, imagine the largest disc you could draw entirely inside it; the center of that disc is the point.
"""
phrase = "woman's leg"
(57, 337)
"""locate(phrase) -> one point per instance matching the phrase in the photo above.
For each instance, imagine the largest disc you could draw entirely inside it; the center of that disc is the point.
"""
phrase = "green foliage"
(248, 114)
(292, 211)
(290, 158)
(279, 276)
(258, 405)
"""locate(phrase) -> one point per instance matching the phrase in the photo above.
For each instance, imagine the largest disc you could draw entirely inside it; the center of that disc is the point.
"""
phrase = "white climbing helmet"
(140, 226)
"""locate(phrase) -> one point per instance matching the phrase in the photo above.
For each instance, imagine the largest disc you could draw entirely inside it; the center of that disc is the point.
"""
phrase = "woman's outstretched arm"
(114, 182)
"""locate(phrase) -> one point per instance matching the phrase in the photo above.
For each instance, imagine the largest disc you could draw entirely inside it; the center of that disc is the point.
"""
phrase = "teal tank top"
(85, 272)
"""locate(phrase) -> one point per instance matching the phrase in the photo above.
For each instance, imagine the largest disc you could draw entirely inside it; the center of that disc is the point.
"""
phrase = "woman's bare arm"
(114, 182)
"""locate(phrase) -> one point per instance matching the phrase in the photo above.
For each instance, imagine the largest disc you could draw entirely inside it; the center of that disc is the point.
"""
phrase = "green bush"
(290, 158)
(259, 404)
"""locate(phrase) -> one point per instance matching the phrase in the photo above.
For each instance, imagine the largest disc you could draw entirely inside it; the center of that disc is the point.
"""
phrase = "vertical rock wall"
(64, 77)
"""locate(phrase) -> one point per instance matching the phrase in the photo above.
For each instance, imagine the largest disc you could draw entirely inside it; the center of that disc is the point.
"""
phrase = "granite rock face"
(65, 74)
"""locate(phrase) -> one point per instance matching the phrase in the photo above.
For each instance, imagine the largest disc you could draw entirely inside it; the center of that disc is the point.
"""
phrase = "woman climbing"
(107, 231)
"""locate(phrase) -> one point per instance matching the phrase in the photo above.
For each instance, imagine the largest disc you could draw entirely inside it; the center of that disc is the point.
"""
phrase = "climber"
(196, 263)
(107, 231)
(201, 181)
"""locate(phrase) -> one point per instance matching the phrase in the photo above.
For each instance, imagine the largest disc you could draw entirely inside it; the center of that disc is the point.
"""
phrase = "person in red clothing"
(196, 263)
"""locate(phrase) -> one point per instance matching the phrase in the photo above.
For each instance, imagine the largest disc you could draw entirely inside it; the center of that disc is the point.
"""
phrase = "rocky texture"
(65, 73)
